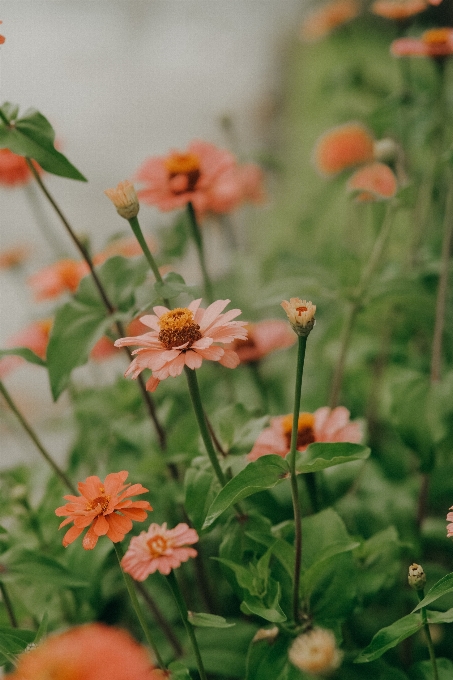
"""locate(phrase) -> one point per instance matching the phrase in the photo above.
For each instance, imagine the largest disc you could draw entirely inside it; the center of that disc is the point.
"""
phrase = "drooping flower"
(324, 425)
(301, 315)
(104, 507)
(450, 526)
(398, 10)
(263, 337)
(35, 336)
(315, 652)
(124, 199)
(204, 175)
(342, 147)
(184, 337)
(436, 43)
(13, 256)
(326, 18)
(372, 182)
(90, 652)
(14, 170)
(159, 549)
(60, 277)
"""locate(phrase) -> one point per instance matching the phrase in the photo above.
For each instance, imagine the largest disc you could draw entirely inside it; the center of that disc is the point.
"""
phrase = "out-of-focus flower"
(184, 337)
(2, 37)
(127, 247)
(263, 337)
(204, 175)
(416, 577)
(315, 652)
(436, 43)
(99, 508)
(61, 277)
(399, 10)
(159, 549)
(324, 425)
(35, 336)
(124, 199)
(13, 256)
(326, 18)
(14, 170)
(301, 315)
(373, 182)
(342, 147)
(91, 652)
(450, 526)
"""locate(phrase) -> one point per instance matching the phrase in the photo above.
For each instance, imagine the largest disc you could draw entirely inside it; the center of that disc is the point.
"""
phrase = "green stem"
(180, 603)
(136, 606)
(31, 433)
(135, 226)
(198, 239)
(294, 488)
(254, 367)
(432, 654)
(8, 605)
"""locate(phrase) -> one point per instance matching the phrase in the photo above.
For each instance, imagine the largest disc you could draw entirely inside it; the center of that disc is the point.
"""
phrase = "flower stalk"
(198, 240)
(432, 654)
(8, 605)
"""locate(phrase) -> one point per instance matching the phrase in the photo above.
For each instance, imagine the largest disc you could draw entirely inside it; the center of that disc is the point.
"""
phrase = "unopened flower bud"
(385, 149)
(416, 577)
(124, 199)
(301, 315)
(315, 652)
(266, 634)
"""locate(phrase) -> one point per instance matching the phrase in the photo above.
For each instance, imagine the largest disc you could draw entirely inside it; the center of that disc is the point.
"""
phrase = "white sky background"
(121, 81)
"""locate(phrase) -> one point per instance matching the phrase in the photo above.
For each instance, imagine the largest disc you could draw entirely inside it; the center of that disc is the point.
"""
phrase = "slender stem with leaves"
(432, 654)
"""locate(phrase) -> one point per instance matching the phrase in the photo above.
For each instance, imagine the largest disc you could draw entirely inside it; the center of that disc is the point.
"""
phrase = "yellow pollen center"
(157, 545)
(187, 164)
(305, 429)
(103, 501)
(436, 36)
(177, 328)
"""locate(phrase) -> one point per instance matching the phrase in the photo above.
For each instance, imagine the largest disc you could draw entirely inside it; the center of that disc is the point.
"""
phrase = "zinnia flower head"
(324, 425)
(159, 549)
(263, 337)
(315, 652)
(204, 175)
(14, 170)
(326, 18)
(184, 337)
(90, 652)
(399, 10)
(301, 315)
(35, 336)
(124, 199)
(342, 147)
(63, 276)
(375, 181)
(104, 507)
(450, 526)
(436, 43)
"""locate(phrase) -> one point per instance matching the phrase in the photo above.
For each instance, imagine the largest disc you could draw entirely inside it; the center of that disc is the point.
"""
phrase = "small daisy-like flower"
(61, 277)
(450, 526)
(184, 337)
(436, 43)
(315, 652)
(329, 16)
(301, 315)
(398, 10)
(90, 652)
(263, 338)
(324, 425)
(124, 199)
(104, 507)
(373, 182)
(159, 549)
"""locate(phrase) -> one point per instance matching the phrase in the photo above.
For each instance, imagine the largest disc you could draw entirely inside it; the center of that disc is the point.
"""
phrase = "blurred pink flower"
(184, 337)
(342, 147)
(322, 20)
(264, 337)
(436, 43)
(375, 181)
(57, 278)
(14, 256)
(399, 10)
(35, 336)
(159, 549)
(14, 170)
(204, 175)
(450, 526)
(324, 425)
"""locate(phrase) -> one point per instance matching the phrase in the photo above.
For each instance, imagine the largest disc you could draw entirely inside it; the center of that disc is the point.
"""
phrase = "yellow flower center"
(305, 429)
(177, 328)
(157, 545)
(103, 501)
(187, 164)
(436, 36)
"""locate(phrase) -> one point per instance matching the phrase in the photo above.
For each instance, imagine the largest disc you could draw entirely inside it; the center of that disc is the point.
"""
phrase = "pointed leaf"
(442, 587)
(42, 630)
(13, 641)
(178, 671)
(25, 353)
(319, 456)
(389, 637)
(208, 620)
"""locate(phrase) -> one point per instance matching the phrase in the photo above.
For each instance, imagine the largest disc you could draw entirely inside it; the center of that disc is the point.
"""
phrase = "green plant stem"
(31, 433)
(182, 608)
(367, 273)
(198, 240)
(294, 488)
(432, 654)
(255, 371)
(8, 605)
(135, 226)
(136, 606)
(105, 299)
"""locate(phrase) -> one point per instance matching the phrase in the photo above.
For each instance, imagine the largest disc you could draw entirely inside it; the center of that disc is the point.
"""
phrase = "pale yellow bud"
(301, 315)
(266, 634)
(316, 652)
(124, 199)
(416, 577)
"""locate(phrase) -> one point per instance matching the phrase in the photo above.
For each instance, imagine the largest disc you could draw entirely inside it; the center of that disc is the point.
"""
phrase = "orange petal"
(343, 147)
(375, 179)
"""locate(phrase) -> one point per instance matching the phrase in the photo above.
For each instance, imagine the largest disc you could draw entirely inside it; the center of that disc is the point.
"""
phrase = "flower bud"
(124, 199)
(315, 652)
(301, 315)
(416, 577)
(266, 634)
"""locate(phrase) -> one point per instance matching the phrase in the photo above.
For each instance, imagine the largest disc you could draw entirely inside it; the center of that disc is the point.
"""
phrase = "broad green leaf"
(208, 620)
(33, 136)
(441, 617)
(200, 488)
(282, 550)
(13, 641)
(442, 587)
(423, 670)
(31, 566)
(264, 473)
(179, 671)
(266, 658)
(319, 456)
(311, 575)
(244, 576)
(172, 286)
(270, 609)
(25, 353)
(378, 561)
(319, 533)
(389, 637)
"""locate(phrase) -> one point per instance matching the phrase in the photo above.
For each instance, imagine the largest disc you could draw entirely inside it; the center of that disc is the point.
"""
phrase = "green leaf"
(269, 609)
(200, 488)
(281, 549)
(264, 473)
(267, 658)
(378, 561)
(208, 620)
(13, 641)
(442, 587)
(179, 671)
(42, 630)
(33, 136)
(319, 456)
(172, 286)
(389, 637)
(31, 566)
(25, 353)
(440, 617)
(423, 670)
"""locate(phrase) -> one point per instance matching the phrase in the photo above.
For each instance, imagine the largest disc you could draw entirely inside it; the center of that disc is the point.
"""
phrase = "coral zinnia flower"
(184, 337)
(399, 10)
(91, 652)
(35, 336)
(374, 181)
(450, 526)
(343, 147)
(60, 277)
(315, 652)
(13, 256)
(324, 425)
(14, 170)
(435, 43)
(159, 549)
(324, 19)
(204, 175)
(263, 337)
(99, 506)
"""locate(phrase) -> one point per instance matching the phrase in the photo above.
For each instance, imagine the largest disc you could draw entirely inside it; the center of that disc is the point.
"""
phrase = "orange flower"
(323, 20)
(99, 506)
(343, 147)
(14, 170)
(91, 652)
(373, 182)
(399, 10)
(14, 256)
(436, 43)
(61, 277)
(262, 338)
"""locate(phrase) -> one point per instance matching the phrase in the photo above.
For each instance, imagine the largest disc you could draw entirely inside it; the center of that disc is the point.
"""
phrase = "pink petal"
(229, 359)
(211, 313)
(71, 535)
(193, 360)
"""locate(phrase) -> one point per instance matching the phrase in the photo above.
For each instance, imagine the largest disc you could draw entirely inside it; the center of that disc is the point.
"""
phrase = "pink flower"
(14, 256)
(264, 337)
(436, 43)
(204, 175)
(324, 19)
(63, 276)
(98, 508)
(450, 526)
(399, 10)
(35, 336)
(14, 170)
(184, 337)
(342, 147)
(374, 181)
(324, 425)
(159, 549)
